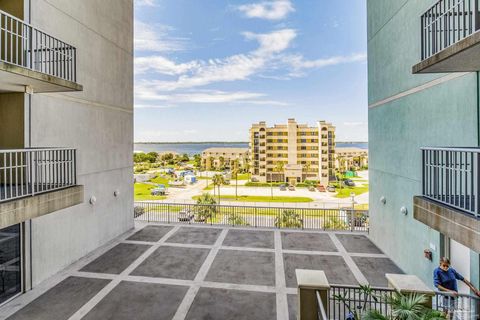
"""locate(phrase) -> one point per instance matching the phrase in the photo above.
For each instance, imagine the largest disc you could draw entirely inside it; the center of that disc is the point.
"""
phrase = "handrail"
(29, 47)
(27, 172)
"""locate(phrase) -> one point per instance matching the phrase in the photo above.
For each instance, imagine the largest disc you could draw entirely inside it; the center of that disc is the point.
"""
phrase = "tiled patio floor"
(200, 272)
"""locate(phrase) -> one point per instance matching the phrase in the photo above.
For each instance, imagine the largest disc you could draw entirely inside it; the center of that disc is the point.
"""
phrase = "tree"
(289, 219)
(246, 169)
(217, 181)
(221, 163)
(279, 166)
(306, 168)
(197, 161)
(206, 207)
(185, 157)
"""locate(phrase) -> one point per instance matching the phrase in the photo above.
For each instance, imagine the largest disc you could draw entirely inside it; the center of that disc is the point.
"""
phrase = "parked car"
(331, 188)
(291, 188)
(185, 215)
(283, 187)
(349, 182)
(312, 188)
(253, 179)
(159, 190)
(321, 188)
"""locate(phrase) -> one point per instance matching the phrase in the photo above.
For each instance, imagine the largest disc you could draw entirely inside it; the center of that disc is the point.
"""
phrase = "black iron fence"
(447, 22)
(346, 302)
(460, 306)
(451, 176)
(253, 216)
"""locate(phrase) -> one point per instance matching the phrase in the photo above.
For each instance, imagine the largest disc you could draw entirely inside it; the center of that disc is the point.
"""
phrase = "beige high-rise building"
(292, 152)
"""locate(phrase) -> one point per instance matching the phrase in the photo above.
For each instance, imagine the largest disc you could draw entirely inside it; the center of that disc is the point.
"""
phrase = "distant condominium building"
(350, 158)
(292, 152)
(224, 158)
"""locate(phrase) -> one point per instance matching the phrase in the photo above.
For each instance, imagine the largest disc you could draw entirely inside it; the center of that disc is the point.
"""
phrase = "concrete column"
(409, 284)
(309, 282)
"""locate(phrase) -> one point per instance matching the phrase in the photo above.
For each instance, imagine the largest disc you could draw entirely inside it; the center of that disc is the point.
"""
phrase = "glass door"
(10, 262)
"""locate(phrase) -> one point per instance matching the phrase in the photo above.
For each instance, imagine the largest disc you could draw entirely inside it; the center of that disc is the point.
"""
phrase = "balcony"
(213, 271)
(35, 182)
(450, 194)
(449, 38)
(34, 61)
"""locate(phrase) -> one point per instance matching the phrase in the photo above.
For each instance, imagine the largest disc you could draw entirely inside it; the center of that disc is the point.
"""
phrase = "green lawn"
(262, 199)
(141, 192)
(345, 191)
(160, 180)
(241, 176)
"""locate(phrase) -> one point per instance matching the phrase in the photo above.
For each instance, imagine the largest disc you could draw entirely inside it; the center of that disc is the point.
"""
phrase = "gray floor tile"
(292, 306)
(243, 267)
(172, 262)
(307, 241)
(61, 301)
(139, 301)
(374, 269)
(250, 239)
(117, 259)
(355, 243)
(335, 268)
(192, 235)
(221, 304)
(150, 233)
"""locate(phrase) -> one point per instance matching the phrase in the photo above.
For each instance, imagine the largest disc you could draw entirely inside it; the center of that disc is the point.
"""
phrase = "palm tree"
(217, 181)
(206, 207)
(279, 166)
(306, 168)
(221, 163)
(289, 219)
(246, 168)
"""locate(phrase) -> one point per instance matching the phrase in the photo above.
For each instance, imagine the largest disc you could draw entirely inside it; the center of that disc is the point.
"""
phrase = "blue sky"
(205, 70)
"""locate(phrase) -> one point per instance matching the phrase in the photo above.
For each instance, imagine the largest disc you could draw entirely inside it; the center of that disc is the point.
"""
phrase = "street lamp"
(352, 216)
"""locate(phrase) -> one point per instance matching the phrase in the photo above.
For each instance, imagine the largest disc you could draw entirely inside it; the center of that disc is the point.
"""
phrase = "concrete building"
(350, 158)
(216, 158)
(423, 180)
(292, 152)
(66, 133)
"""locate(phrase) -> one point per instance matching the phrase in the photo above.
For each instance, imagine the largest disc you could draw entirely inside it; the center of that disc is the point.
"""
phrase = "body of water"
(197, 148)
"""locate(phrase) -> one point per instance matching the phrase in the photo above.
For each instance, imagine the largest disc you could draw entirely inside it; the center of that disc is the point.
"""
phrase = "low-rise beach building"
(224, 158)
(351, 158)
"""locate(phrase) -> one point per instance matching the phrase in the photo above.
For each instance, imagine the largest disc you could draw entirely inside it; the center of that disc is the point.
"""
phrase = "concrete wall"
(443, 114)
(12, 113)
(98, 122)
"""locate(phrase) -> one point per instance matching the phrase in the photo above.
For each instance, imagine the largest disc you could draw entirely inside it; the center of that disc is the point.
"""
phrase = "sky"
(206, 70)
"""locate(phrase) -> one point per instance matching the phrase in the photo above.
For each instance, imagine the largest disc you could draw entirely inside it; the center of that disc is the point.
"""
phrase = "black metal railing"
(253, 216)
(451, 176)
(460, 306)
(26, 172)
(344, 301)
(447, 22)
(26, 46)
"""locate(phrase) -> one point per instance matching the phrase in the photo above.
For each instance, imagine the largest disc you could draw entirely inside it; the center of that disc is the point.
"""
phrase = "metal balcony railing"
(447, 22)
(26, 172)
(451, 176)
(24, 45)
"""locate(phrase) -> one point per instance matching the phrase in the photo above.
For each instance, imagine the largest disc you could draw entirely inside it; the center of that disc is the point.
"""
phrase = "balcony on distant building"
(450, 200)
(35, 182)
(34, 61)
(450, 41)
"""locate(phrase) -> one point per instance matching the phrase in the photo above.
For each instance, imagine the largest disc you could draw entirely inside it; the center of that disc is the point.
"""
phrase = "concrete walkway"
(200, 272)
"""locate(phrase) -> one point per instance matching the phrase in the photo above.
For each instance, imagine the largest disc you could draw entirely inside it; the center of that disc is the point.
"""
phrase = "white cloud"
(156, 38)
(148, 3)
(237, 67)
(299, 64)
(270, 10)
(163, 65)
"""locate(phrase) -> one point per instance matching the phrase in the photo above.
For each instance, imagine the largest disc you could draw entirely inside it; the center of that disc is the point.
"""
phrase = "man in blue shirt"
(445, 278)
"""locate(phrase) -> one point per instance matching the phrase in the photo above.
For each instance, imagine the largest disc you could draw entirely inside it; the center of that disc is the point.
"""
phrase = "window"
(10, 262)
